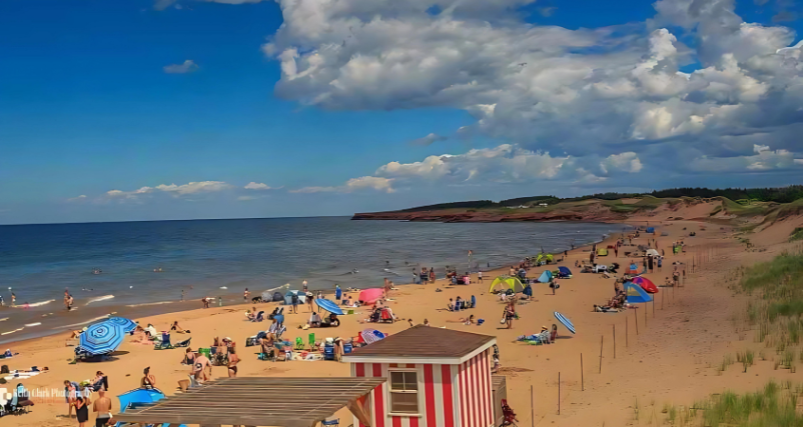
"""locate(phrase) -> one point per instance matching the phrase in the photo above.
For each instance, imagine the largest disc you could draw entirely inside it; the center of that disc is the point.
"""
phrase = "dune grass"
(773, 406)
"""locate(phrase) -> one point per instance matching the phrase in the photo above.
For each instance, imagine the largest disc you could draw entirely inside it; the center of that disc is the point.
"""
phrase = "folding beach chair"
(185, 343)
(165, 342)
(299, 343)
(335, 423)
(311, 339)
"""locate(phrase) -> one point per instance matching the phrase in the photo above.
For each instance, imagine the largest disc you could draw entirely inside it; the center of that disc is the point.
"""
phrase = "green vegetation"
(796, 235)
(735, 201)
(776, 311)
(773, 406)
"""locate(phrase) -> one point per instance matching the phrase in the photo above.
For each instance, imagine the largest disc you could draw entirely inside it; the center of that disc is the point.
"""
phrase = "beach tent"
(370, 296)
(650, 229)
(646, 284)
(503, 283)
(652, 252)
(302, 297)
(636, 295)
(277, 296)
(602, 252)
(564, 272)
(545, 277)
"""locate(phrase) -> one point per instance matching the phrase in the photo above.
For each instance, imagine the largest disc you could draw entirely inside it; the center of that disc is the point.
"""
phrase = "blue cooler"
(329, 352)
(347, 347)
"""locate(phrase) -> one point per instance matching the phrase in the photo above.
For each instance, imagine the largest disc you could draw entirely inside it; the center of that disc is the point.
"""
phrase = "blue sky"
(89, 105)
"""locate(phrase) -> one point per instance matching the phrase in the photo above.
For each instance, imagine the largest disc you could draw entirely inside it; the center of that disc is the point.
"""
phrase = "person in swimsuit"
(103, 408)
(148, 381)
(82, 410)
(198, 369)
(233, 361)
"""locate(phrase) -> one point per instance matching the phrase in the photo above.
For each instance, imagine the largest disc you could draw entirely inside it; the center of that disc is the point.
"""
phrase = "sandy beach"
(670, 358)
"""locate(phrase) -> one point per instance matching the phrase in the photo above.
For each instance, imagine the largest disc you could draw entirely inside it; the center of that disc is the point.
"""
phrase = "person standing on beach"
(479, 276)
(103, 408)
(431, 275)
(304, 286)
(182, 294)
(233, 361)
(310, 300)
(246, 294)
(13, 300)
(294, 301)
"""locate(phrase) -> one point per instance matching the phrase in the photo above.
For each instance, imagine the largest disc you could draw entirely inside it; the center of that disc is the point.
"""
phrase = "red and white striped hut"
(435, 378)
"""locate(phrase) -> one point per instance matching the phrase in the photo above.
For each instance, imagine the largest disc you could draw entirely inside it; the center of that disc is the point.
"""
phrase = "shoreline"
(142, 312)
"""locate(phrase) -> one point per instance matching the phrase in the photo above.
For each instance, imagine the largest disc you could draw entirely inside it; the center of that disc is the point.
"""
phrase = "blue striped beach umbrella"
(128, 325)
(101, 338)
(565, 322)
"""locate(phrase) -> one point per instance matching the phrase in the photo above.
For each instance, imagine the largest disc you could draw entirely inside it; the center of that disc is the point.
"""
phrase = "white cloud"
(173, 189)
(764, 160)
(624, 162)
(80, 198)
(185, 67)
(503, 164)
(246, 198)
(194, 187)
(588, 92)
(354, 184)
(256, 186)
(428, 140)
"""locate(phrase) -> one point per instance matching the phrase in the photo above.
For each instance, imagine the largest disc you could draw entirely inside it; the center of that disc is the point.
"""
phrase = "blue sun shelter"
(564, 272)
(635, 294)
(651, 230)
(545, 277)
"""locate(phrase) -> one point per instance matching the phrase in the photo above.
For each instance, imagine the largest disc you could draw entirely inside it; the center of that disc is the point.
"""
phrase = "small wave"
(36, 304)
(103, 298)
(224, 287)
(149, 303)
(4, 319)
(11, 332)
(28, 325)
(391, 272)
(83, 323)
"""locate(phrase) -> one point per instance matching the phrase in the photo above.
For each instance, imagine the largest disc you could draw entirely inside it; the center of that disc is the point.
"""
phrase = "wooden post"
(627, 333)
(532, 407)
(635, 316)
(558, 393)
(600, 352)
(614, 341)
(582, 380)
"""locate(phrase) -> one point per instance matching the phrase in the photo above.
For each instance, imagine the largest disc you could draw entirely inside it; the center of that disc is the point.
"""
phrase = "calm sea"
(221, 257)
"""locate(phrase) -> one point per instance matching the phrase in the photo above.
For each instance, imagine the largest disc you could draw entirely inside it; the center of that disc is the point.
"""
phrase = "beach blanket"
(20, 375)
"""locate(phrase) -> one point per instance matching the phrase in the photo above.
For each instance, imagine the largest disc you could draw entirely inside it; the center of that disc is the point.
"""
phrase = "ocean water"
(223, 257)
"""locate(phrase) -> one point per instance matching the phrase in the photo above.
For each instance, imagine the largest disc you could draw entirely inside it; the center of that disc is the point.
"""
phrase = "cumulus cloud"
(764, 160)
(609, 99)
(256, 186)
(172, 189)
(503, 164)
(354, 184)
(428, 140)
(188, 66)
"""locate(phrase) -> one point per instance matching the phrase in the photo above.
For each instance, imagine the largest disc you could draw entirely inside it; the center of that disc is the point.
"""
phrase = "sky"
(186, 109)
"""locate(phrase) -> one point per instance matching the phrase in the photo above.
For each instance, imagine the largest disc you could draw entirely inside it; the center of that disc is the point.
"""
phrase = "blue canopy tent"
(302, 297)
(635, 294)
(650, 229)
(564, 272)
(139, 396)
(545, 277)
(128, 325)
(329, 306)
(101, 338)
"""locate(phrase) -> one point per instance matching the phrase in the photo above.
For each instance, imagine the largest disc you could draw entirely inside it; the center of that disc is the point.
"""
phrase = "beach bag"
(502, 322)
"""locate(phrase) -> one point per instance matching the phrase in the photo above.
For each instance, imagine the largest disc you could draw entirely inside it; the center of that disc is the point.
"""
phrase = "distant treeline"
(780, 195)
(480, 204)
